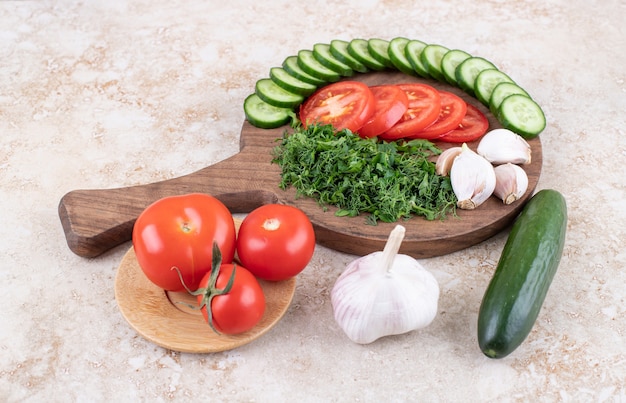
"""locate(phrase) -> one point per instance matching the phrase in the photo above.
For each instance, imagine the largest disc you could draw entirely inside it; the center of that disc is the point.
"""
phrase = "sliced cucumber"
(449, 63)
(502, 91)
(397, 55)
(522, 115)
(412, 51)
(339, 49)
(291, 66)
(263, 115)
(358, 48)
(486, 81)
(310, 65)
(288, 82)
(468, 70)
(431, 59)
(276, 96)
(379, 49)
(321, 51)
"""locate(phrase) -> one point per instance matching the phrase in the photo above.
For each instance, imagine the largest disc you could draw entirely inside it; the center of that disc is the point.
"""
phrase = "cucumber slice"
(263, 115)
(379, 49)
(291, 66)
(449, 63)
(339, 49)
(309, 64)
(288, 82)
(522, 115)
(431, 59)
(397, 55)
(502, 91)
(486, 81)
(321, 52)
(358, 48)
(468, 70)
(412, 52)
(276, 96)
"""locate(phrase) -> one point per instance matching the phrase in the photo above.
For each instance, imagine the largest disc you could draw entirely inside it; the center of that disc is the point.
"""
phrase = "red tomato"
(391, 104)
(473, 126)
(239, 309)
(344, 104)
(179, 231)
(423, 109)
(275, 242)
(452, 111)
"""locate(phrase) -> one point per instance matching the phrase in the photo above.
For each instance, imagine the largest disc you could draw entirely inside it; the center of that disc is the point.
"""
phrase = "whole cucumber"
(523, 275)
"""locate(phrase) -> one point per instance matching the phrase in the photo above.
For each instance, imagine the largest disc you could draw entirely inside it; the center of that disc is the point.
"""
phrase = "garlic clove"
(445, 160)
(473, 179)
(383, 294)
(500, 146)
(511, 182)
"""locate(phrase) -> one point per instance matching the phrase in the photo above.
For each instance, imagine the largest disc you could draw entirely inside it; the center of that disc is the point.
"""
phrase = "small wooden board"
(97, 220)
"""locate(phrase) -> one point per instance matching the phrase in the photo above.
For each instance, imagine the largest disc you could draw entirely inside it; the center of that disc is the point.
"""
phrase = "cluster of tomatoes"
(395, 111)
(190, 242)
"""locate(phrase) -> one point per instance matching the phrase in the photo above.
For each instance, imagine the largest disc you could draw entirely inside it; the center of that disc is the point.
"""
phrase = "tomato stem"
(211, 291)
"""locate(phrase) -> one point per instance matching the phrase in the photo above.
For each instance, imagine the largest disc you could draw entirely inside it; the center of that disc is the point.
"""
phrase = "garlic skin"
(473, 179)
(511, 182)
(445, 160)
(501, 146)
(383, 294)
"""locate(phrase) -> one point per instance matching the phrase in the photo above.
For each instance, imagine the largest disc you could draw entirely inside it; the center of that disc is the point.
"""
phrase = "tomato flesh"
(473, 126)
(344, 104)
(391, 104)
(452, 111)
(423, 109)
(275, 242)
(178, 232)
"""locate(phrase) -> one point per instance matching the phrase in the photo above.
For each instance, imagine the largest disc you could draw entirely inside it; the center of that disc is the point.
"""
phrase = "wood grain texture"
(95, 221)
(157, 315)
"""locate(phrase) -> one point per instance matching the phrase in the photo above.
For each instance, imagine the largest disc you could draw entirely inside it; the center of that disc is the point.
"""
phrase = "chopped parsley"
(389, 180)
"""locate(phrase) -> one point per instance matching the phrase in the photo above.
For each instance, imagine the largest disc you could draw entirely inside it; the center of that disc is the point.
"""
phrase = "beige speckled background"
(106, 94)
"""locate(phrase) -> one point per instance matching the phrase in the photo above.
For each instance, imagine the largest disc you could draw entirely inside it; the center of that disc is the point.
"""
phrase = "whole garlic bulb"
(473, 179)
(384, 293)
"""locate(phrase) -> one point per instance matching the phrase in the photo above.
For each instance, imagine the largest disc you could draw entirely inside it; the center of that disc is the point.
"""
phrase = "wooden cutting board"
(96, 220)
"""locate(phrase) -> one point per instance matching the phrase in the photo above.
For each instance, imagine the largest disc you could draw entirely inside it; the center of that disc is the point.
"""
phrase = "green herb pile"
(389, 180)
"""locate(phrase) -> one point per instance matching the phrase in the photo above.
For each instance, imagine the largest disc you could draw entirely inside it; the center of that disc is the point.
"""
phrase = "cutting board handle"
(96, 220)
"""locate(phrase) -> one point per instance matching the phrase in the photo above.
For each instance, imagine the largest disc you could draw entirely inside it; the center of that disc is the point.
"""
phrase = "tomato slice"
(473, 126)
(423, 110)
(344, 104)
(453, 109)
(391, 104)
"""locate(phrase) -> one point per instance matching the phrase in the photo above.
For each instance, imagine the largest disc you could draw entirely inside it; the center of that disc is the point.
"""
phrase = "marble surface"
(107, 94)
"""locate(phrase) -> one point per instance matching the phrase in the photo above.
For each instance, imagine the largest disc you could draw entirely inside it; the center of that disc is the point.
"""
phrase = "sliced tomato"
(453, 109)
(391, 104)
(423, 110)
(344, 104)
(473, 126)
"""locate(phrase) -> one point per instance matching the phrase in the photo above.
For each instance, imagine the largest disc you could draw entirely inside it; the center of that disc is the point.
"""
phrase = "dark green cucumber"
(379, 49)
(358, 48)
(413, 51)
(468, 70)
(321, 51)
(285, 80)
(397, 55)
(431, 59)
(263, 115)
(522, 115)
(528, 263)
(276, 96)
(290, 64)
(486, 81)
(449, 63)
(339, 49)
